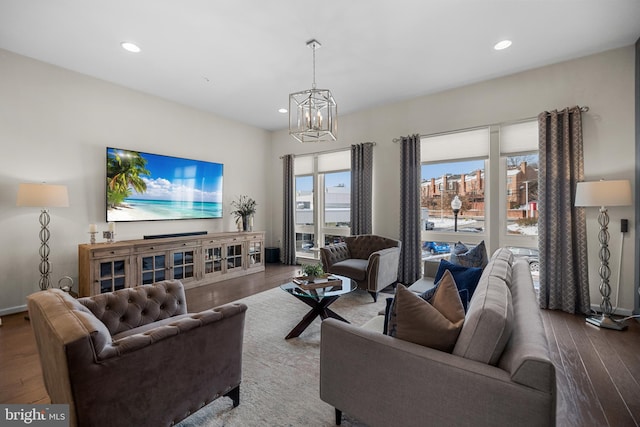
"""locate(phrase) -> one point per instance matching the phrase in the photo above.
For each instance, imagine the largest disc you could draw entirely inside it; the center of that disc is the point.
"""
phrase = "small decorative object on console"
(245, 208)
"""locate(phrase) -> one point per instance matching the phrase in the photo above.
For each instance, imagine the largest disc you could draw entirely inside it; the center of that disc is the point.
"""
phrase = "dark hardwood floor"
(598, 371)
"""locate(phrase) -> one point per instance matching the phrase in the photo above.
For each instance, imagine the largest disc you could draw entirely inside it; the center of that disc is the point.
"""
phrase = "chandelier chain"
(313, 85)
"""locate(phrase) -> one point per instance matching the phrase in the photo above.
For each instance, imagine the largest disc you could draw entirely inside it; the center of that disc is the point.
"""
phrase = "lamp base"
(606, 322)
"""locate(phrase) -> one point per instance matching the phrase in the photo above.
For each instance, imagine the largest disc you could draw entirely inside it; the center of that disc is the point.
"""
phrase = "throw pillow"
(466, 278)
(476, 257)
(463, 293)
(434, 325)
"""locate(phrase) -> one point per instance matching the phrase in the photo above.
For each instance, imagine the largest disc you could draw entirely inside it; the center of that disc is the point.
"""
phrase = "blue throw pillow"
(476, 257)
(466, 279)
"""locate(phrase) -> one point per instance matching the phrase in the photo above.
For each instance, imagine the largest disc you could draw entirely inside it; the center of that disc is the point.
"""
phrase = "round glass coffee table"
(319, 299)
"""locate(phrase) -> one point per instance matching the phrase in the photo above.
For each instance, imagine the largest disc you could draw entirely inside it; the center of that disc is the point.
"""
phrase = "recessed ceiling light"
(130, 47)
(502, 45)
(283, 110)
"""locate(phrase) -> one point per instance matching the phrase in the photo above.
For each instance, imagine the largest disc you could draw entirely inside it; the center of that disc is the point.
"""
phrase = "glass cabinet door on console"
(153, 268)
(212, 258)
(234, 256)
(255, 253)
(183, 264)
(112, 275)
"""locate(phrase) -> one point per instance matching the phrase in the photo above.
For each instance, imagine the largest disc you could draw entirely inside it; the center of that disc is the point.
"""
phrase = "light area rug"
(280, 378)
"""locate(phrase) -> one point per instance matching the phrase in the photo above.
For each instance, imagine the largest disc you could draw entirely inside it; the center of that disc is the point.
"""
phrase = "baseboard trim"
(13, 310)
(619, 311)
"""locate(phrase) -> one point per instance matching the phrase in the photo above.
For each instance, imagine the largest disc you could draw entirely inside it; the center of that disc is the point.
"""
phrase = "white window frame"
(322, 163)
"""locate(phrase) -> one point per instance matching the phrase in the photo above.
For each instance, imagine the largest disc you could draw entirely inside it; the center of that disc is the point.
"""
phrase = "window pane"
(304, 242)
(441, 182)
(330, 239)
(304, 200)
(522, 195)
(337, 199)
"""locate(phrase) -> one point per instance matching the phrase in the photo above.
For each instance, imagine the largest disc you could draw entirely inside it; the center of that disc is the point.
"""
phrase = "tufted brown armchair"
(135, 356)
(370, 260)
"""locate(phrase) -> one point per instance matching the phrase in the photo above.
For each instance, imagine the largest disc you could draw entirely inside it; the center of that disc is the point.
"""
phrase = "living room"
(56, 124)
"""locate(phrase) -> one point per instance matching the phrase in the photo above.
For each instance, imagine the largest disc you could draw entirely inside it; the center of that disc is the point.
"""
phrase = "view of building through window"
(456, 197)
(441, 182)
(333, 212)
(337, 199)
(522, 195)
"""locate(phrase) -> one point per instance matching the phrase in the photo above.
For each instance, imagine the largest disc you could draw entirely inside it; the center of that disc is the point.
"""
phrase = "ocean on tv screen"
(149, 210)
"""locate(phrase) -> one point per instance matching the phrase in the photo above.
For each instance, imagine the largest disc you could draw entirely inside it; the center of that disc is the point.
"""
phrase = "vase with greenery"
(312, 271)
(244, 208)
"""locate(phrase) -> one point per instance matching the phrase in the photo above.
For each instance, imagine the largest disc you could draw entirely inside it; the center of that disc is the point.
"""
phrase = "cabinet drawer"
(110, 252)
(165, 246)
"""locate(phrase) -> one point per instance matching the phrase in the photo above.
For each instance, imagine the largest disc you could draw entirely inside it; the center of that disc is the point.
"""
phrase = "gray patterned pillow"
(465, 257)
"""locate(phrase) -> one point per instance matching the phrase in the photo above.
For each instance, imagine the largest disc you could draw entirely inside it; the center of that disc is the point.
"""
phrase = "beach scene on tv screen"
(146, 187)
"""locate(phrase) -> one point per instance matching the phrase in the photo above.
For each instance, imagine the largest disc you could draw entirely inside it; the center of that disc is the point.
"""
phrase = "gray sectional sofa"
(499, 373)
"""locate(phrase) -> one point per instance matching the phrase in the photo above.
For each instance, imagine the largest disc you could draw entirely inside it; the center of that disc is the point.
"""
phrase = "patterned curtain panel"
(361, 188)
(409, 269)
(288, 212)
(562, 230)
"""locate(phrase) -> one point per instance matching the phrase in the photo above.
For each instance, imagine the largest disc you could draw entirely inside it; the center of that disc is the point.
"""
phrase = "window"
(519, 153)
(322, 217)
(461, 164)
(304, 213)
(337, 199)
(441, 182)
(452, 165)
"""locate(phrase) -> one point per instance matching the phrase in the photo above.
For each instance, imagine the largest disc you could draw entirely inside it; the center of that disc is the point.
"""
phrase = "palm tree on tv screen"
(124, 171)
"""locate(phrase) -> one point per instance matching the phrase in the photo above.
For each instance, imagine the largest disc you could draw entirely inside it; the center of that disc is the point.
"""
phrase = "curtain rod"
(335, 150)
(583, 109)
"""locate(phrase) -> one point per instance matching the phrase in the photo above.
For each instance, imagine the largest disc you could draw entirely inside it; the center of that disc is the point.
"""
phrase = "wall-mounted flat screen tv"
(148, 187)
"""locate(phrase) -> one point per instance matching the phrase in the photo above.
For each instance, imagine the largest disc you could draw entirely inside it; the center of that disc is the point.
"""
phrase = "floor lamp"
(602, 194)
(43, 196)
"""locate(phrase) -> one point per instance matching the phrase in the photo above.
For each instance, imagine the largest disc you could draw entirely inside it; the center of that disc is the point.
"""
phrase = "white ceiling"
(241, 58)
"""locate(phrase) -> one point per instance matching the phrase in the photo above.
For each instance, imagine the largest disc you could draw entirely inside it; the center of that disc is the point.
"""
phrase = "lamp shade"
(43, 196)
(603, 193)
(456, 203)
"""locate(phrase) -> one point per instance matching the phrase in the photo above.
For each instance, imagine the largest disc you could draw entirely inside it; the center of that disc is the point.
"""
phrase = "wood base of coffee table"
(318, 308)
(319, 298)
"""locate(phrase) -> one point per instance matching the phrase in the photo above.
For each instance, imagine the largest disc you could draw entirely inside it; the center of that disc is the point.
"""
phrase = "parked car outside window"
(436, 247)
(531, 255)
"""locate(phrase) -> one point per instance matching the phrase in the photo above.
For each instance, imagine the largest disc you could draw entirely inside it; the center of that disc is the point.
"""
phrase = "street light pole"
(456, 204)
(526, 196)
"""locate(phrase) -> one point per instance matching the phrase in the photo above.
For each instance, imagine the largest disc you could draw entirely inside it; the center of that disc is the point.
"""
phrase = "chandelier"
(313, 113)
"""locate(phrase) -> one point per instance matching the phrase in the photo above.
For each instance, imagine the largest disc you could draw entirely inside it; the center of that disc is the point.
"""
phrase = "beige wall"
(54, 127)
(604, 82)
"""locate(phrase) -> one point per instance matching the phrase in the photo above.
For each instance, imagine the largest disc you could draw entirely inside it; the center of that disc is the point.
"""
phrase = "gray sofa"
(499, 373)
(372, 261)
(135, 357)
